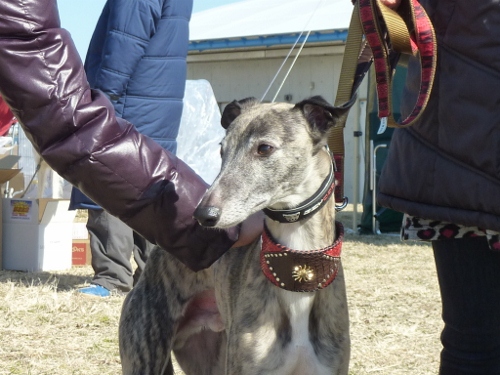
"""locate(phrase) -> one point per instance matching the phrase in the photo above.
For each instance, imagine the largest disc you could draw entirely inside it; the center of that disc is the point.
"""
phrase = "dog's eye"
(265, 150)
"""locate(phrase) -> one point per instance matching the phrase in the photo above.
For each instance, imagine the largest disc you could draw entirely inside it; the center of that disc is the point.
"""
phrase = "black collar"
(309, 206)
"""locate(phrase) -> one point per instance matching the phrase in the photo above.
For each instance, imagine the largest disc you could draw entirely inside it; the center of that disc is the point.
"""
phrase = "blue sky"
(80, 16)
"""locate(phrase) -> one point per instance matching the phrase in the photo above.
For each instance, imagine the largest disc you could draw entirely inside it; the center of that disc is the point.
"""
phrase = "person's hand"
(391, 3)
(250, 229)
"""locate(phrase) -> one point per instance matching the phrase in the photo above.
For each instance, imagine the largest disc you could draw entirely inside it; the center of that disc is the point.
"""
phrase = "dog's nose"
(207, 216)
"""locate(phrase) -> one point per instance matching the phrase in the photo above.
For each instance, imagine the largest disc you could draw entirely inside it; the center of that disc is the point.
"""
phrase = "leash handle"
(378, 34)
(390, 33)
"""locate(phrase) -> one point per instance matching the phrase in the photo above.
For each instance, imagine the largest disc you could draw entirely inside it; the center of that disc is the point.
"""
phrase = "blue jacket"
(137, 57)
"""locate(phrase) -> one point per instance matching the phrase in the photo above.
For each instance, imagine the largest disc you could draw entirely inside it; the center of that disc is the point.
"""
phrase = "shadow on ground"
(62, 280)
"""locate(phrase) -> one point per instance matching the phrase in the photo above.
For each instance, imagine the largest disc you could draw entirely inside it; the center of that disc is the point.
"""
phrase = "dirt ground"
(47, 328)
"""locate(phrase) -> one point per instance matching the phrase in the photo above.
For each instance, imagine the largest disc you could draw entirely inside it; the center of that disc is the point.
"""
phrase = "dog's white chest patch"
(300, 307)
(301, 358)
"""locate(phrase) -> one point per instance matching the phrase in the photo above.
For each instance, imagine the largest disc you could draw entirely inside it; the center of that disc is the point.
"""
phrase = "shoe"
(95, 290)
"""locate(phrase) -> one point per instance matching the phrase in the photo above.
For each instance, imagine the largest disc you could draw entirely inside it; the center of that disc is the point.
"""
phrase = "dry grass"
(48, 328)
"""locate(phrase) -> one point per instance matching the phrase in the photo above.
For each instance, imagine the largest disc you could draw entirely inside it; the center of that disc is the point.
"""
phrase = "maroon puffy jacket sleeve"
(76, 131)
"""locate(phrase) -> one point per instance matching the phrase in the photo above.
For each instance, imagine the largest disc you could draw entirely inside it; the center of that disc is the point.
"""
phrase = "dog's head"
(270, 158)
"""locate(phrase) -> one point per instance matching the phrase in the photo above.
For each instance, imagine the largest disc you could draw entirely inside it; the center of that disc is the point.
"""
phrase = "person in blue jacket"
(137, 57)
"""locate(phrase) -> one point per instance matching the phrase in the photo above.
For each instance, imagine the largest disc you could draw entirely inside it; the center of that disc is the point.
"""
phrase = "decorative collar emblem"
(301, 271)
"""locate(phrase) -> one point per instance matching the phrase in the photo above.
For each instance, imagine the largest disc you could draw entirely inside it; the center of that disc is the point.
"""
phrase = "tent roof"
(257, 18)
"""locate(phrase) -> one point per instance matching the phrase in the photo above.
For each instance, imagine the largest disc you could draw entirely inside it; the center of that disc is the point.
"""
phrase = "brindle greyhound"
(265, 308)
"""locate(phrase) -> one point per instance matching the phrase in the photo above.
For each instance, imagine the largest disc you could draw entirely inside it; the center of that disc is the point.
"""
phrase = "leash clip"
(341, 206)
(383, 126)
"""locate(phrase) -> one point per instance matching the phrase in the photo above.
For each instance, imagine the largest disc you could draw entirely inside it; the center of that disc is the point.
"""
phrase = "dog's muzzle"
(207, 216)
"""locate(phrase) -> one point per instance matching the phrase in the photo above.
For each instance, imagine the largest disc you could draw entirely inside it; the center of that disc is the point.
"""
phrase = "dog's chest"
(266, 325)
(300, 355)
(300, 305)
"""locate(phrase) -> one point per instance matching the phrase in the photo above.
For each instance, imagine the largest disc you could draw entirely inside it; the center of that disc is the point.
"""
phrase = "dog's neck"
(314, 232)
(304, 256)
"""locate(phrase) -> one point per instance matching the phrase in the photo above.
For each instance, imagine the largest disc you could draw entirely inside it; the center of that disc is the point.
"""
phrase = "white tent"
(269, 17)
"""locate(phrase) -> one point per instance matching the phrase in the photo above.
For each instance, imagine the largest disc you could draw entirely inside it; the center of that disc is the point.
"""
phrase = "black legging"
(469, 279)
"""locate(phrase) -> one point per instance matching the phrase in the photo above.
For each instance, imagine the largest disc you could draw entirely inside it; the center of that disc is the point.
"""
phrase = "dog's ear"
(320, 114)
(234, 109)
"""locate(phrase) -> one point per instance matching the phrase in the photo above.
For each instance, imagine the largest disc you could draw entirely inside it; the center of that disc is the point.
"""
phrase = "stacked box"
(37, 234)
(7, 173)
(81, 245)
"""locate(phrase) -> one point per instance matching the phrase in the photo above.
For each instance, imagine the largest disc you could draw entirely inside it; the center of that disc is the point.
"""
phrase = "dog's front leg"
(151, 314)
(329, 326)
(147, 325)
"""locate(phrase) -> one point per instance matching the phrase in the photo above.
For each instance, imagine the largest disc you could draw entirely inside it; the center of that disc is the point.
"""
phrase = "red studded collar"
(301, 271)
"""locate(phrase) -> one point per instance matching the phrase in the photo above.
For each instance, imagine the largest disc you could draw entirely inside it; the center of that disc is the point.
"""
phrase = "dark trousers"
(112, 243)
(469, 279)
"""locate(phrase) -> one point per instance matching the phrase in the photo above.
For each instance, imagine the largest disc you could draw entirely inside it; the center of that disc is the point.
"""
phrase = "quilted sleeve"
(76, 131)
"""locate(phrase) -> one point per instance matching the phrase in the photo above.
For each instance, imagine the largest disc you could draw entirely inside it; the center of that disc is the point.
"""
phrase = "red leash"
(376, 22)
(378, 34)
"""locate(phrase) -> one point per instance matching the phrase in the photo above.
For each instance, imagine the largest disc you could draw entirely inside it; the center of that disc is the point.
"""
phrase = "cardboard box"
(81, 253)
(37, 234)
(80, 231)
(7, 172)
